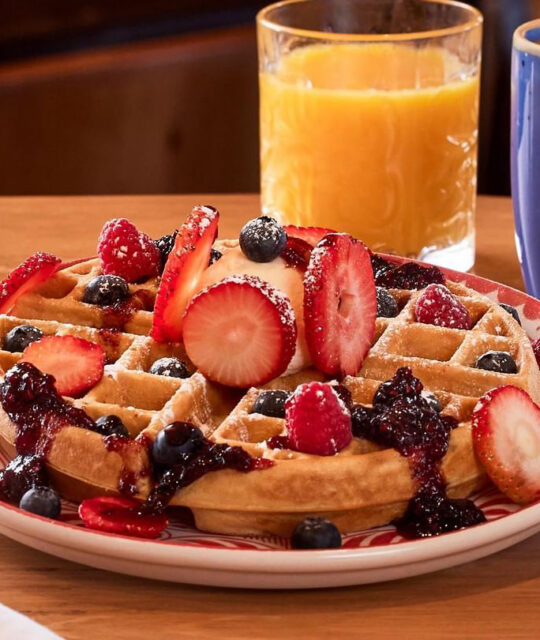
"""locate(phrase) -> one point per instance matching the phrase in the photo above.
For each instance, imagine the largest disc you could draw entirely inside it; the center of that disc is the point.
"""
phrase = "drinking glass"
(369, 121)
(525, 155)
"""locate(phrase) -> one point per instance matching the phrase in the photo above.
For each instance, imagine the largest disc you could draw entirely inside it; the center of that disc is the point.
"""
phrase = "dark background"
(103, 96)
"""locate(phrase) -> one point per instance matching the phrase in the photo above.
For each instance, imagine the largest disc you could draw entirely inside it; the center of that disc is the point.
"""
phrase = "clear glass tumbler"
(369, 121)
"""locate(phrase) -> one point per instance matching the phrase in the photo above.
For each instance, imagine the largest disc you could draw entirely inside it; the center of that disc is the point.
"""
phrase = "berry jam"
(401, 418)
(111, 341)
(278, 442)
(30, 399)
(405, 276)
(208, 457)
(126, 449)
(380, 266)
(21, 474)
(297, 253)
(117, 316)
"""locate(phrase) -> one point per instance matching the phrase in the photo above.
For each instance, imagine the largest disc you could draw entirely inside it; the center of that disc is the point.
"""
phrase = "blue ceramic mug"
(525, 155)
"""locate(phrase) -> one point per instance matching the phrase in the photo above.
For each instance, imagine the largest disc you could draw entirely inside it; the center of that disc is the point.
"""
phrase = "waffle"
(60, 300)
(363, 485)
(360, 487)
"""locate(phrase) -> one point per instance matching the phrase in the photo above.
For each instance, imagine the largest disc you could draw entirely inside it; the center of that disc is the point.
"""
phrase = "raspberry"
(318, 421)
(536, 349)
(437, 305)
(126, 252)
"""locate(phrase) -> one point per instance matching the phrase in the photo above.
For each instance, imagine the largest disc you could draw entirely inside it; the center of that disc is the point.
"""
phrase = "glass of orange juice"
(369, 121)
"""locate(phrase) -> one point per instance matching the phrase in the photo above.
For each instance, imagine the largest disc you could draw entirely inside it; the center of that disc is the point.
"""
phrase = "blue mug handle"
(525, 150)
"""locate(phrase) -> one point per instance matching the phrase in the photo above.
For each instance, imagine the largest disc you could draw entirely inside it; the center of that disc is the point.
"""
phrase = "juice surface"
(375, 139)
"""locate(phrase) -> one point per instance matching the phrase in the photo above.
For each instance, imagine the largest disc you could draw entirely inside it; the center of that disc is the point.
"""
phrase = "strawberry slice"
(506, 438)
(25, 278)
(240, 332)
(182, 274)
(76, 364)
(114, 514)
(311, 235)
(340, 304)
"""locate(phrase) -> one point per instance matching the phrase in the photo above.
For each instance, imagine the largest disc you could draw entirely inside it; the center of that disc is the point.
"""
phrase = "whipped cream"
(287, 279)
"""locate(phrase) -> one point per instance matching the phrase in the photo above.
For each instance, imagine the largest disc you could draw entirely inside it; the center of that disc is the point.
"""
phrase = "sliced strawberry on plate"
(311, 235)
(114, 514)
(506, 438)
(25, 278)
(317, 420)
(76, 364)
(185, 265)
(340, 304)
(297, 253)
(240, 332)
(127, 252)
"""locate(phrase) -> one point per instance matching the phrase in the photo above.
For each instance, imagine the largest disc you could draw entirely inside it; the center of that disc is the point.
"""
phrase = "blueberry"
(165, 245)
(316, 533)
(111, 425)
(271, 403)
(20, 337)
(386, 304)
(175, 443)
(215, 255)
(432, 401)
(262, 239)
(42, 501)
(170, 367)
(106, 290)
(512, 311)
(498, 361)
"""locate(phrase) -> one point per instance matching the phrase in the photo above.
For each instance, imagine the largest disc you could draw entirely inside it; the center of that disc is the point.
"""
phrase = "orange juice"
(378, 140)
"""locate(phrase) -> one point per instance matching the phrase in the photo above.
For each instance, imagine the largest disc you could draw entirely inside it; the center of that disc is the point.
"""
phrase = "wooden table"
(491, 598)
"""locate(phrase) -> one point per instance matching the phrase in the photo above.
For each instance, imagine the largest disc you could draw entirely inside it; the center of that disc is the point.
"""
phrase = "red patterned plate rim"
(372, 542)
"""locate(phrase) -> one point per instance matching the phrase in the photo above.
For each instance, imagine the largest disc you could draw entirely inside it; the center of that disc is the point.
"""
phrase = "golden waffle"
(363, 485)
(61, 299)
(360, 487)
(127, 390)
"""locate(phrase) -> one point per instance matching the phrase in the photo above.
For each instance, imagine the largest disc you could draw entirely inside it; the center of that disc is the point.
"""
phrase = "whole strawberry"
(317, 420)
(127, 252)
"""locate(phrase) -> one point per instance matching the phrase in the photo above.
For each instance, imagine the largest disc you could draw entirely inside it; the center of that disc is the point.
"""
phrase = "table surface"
(493, 597)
